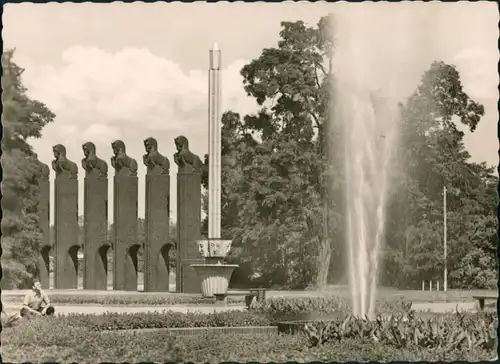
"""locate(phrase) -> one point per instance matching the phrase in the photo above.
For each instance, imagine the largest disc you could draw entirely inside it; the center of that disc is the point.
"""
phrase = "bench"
(481, 300)
(258, 294)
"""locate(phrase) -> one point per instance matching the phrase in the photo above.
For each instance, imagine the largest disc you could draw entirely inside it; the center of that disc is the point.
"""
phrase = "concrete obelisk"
(214, 274)
(214, 144)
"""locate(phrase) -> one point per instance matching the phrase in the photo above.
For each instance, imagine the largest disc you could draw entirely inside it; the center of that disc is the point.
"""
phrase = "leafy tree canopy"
(282, 186)
(22, 118)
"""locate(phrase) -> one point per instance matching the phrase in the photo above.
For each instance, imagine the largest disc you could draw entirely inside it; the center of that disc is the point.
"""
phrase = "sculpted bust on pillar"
(153, 160)
(93, 165)
(121, 162)
(62, 165)
(45, 172)
(186, 160)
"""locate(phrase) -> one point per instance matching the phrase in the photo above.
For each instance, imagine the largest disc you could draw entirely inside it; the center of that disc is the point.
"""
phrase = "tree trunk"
(324, 257)
(324, 250)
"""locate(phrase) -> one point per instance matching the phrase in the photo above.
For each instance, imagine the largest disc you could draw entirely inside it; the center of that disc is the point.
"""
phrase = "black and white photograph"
(250, 182)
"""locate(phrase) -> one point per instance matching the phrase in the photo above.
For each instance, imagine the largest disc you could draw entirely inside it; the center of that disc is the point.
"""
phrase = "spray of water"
(368, 143)
(365, 113)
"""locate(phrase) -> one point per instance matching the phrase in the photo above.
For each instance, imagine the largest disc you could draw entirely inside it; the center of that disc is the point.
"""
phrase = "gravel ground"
(443, 307)
(14, 297)
(96, 310)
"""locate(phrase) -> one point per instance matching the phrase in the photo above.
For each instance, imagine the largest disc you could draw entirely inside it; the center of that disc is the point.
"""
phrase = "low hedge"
(158, 320)
(298, 307)
(279, 307)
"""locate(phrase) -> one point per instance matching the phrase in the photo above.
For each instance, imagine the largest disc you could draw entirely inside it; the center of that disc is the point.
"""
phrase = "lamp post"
(445, 273)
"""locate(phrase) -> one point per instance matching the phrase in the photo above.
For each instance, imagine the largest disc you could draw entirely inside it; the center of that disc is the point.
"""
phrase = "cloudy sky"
(130, 71)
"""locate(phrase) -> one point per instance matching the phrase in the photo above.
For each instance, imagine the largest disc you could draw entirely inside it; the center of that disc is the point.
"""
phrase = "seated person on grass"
(36, 302)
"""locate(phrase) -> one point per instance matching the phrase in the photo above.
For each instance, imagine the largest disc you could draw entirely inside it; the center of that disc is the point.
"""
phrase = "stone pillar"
(66, 220)
(214, 144)
(95, 196)
(44, 225)
(156, 262)
(125, 245)
(188, 231)
(188, 216)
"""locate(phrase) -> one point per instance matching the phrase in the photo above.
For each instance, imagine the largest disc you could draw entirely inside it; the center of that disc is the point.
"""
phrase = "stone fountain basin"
(293, 324)
(214, 277)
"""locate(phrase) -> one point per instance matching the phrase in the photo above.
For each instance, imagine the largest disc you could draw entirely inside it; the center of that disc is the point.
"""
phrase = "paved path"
(17, 295)
(12, 301)
(99, 309)
(339, 291)
(443, 307)
(90, 292)
(85, 292)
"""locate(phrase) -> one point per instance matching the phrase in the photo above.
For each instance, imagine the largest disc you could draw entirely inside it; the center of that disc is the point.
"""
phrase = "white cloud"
(478, 72)
(129, 88)
(101, 96)
(102, 133)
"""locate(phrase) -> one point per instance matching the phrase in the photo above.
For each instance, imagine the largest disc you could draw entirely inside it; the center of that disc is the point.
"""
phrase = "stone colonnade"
(124, 244)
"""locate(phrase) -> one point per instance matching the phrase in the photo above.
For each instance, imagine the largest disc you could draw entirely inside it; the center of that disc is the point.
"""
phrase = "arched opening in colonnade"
(136, 255)
(46, 266)
(166, 261)
(76, 254)
(105, 254)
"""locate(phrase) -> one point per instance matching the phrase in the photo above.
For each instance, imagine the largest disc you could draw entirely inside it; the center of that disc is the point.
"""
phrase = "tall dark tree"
(291, 204)
(432, 155)
(22, 118)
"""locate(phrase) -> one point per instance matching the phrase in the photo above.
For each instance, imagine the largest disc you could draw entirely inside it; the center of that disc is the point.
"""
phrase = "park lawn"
(455, 295)
(85, 346)
(389, 294)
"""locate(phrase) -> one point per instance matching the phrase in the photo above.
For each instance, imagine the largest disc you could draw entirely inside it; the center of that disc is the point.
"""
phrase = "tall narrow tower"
(214, 144)
(214, 274)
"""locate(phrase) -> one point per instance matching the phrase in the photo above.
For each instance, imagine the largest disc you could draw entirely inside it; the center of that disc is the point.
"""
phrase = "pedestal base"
(187, 280)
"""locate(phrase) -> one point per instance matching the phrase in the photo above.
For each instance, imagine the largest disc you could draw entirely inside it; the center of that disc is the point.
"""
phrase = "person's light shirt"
(36, 301)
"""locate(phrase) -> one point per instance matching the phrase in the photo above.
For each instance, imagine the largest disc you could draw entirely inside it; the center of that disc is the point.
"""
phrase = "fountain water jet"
(368, 141)
(368, 124)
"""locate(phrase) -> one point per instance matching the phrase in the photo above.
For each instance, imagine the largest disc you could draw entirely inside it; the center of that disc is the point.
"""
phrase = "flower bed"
(451, 331)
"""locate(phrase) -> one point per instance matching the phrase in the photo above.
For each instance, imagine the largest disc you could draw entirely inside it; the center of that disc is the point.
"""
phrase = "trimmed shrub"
(293, 306)
(299, 307)
(157, 320)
